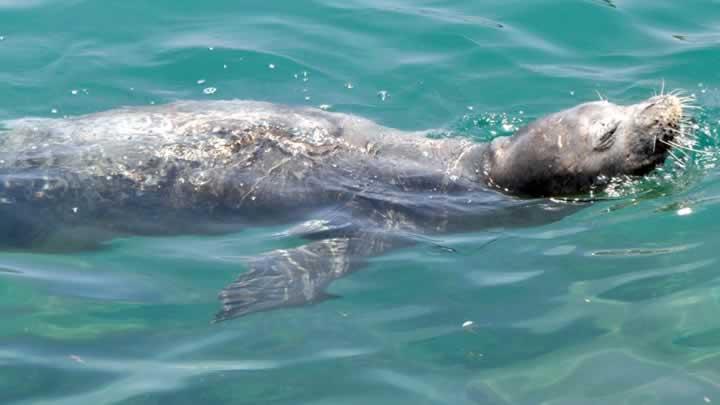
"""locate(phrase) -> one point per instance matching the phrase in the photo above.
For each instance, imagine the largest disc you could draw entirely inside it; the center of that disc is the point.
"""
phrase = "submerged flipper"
(299, 276)
(337, 245)
(286, 278)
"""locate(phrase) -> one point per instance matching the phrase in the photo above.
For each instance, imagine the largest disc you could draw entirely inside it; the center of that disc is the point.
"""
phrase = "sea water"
(615, 304)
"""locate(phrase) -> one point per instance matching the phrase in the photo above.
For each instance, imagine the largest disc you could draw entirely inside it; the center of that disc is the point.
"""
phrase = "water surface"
(615, 304)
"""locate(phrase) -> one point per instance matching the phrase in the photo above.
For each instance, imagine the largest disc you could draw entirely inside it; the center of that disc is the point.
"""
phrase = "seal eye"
(607, 139)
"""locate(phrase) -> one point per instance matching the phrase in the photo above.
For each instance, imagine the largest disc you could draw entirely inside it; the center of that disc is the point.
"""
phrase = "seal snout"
(667, 110)
(662, 116)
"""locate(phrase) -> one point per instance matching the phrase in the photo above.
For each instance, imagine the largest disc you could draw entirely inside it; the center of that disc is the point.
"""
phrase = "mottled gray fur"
(361, 188)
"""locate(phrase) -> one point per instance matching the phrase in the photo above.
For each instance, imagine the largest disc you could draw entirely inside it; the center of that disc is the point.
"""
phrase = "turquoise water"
(615, 304)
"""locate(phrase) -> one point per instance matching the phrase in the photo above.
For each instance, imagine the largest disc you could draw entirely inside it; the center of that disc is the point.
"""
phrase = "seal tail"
(285, 278)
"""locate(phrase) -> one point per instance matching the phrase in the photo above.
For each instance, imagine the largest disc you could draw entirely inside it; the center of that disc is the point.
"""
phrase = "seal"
(352, 188)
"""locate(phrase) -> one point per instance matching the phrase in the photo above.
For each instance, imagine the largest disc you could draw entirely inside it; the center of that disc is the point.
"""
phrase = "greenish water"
(615, 304)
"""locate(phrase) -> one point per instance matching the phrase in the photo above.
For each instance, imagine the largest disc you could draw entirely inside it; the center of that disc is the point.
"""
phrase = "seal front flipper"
(285, 278)
(299, 276)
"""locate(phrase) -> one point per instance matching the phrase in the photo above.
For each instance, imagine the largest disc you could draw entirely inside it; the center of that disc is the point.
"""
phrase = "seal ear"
(606, 140)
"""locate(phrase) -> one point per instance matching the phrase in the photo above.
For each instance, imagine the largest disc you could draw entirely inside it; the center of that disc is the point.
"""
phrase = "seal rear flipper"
(285, 278)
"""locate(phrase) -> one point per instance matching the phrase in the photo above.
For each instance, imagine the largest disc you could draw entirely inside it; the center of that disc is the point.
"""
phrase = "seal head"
(582, 148)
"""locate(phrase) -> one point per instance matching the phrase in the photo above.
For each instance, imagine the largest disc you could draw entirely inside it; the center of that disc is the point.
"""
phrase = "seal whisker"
(677, 92)
(675, 145)
(681, 163)
(675, 159)
(654, 145)
(600, 95)
(662, 88)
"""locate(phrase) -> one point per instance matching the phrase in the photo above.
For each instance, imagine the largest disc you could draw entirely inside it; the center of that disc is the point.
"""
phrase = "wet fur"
(207, 167)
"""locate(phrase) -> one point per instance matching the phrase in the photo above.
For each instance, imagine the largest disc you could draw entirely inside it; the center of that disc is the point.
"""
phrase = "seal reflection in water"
(351, 188)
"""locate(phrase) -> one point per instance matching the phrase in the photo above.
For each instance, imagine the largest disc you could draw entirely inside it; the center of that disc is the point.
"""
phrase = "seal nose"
(669, 104)
(667, 110)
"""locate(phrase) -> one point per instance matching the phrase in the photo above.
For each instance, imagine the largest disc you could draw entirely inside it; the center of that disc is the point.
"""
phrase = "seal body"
(219, 166)
(192, 163)
(353, 188)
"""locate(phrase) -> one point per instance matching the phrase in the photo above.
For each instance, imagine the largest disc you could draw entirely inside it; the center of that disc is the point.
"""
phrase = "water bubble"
(201, 81)
(349, 86)
(54, 111)
(383, 94)
(684, 211)
(470, 108)
(211, 48)
(225, 66)
(74, 92)
(325, 107)
(2, 37)
(209, 90)
(572, 92)
(307, 98)
(271, 66)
